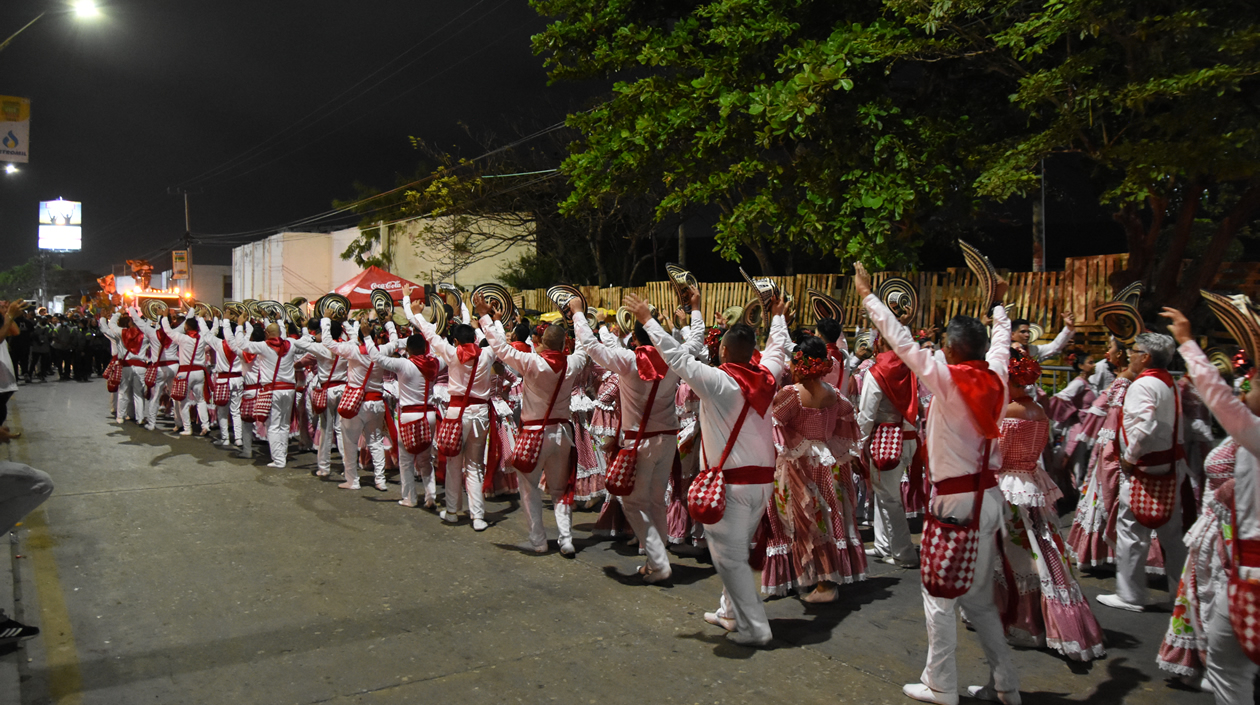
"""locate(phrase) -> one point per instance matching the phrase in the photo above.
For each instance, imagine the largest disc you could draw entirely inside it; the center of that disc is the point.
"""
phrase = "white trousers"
(229, 414)
(330, 427)
(892, 531)
(466, 472)
(645, 507)
(409, 465)
(941, 672)
(368, 426)
(165, 374)
(278, 424)
(1230, 674)
(196, 397)
(729, 539)
(553, 462)
(247, 428)
(1133, 542)
(131, 394)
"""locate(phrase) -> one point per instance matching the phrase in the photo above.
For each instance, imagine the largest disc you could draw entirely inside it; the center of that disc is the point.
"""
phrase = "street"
(164, 571)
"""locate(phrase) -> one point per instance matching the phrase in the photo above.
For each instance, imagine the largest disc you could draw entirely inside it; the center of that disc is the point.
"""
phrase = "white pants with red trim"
(131, 394)
(367, 426)
(892, 531)
(1230, 674)
(1133, 543)
(466, 472)
(196, 397)
(330, 430)
(553, 462)
(645, 507)
(165, 375)
(410, 465)
(229, 414)
(941, 672)
(278, 424)
(729, 540)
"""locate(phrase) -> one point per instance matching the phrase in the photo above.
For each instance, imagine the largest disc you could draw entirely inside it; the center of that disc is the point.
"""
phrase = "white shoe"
(348, 485)
(381, 487)
(407, 503)
(921, 692)
(238, 443)
(984, 692)
(746, 640)
(480, 525)
(449, 517)
(275, 464)
(150, 427)
(1115, 601)
(566, 547)
(874, 553)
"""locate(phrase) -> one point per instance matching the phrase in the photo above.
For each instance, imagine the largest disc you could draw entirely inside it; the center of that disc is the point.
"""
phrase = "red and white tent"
(359, 288)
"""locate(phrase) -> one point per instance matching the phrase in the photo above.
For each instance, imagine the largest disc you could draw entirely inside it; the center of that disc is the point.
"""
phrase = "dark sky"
(157, 94)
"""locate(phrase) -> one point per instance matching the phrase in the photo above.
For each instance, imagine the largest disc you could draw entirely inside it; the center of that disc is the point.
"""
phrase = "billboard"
(179, 264)
(61, 225)
(15, 129)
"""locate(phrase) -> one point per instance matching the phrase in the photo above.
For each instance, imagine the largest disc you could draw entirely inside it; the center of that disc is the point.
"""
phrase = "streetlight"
(81, 8)
(86, 8)
(11, 169)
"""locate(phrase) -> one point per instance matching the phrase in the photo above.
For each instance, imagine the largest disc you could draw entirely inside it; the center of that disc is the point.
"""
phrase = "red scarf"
(755, 383)
(132, 338)
(897, 383)
(756, 357)
(228, 352)
(1161, 375)
(523, 347)
(650, 364)
(427, 364)
(834, 352)
(467, 352)
(279, 345)
(982, 390)
(163, 338)
(556, 359)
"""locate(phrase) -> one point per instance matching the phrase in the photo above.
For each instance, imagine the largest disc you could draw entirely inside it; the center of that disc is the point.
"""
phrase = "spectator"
(62, 347)
(41, 348)
(20, 346)
(22, 489)
(8, 377)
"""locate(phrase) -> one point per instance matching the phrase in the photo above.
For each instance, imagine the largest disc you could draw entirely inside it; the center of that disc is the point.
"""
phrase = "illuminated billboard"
(61, 225)
(15, 129)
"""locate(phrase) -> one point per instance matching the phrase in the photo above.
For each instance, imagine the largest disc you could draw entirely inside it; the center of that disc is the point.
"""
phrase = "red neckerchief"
(249, 357)
(756, 357)
(649, 363)
(755, 383)
(556, 359)
(982, 390)
(834, 352)
(467, 352)
(193, 334)
(279, 345)
(897, 383)
(133, 338)
(228, 352)
(363, 348)
(427, 364)
(1161, 375)
(523, 347)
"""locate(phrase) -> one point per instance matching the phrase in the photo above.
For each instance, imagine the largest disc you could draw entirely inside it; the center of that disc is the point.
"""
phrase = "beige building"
(290, 264)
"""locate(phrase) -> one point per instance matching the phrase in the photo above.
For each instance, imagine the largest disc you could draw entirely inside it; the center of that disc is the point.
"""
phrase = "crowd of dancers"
(769, 451)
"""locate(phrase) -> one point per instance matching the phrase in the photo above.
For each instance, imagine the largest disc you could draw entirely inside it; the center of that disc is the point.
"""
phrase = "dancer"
(364, 424)
(228, 383)
(163, 357)
(191, 351)
(1021, 331)
(889, 409)
(274, 365)
(415, 375)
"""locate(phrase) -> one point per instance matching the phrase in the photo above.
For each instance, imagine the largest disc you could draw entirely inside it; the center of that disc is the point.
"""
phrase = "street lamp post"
(81, 8)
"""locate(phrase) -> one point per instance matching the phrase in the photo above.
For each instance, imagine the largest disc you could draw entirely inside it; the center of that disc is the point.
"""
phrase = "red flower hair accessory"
(810, 367)
(1240, 360)
(1023, 370)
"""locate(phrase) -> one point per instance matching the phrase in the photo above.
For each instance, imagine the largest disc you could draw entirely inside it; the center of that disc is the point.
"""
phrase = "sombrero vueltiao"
(1221, 361)
(500, 300)
(1120, 315)
(864, 339)
(625, 320)
(984, 271)
(153, 309)
(753, 313)
(682, 281)
(764, 287)
(272, 310)
(824, 306)
(332, 306)
(1239, 317)
(561, 294)
(899, 295)
(1035, 332)
(382, 303)
(294, 313)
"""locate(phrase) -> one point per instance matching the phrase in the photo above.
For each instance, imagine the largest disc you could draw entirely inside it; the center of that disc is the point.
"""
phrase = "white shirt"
(1045, 352)
(190, 350)
(332, 367)
(413, 388)
(539, 380)
(457, 372)
(1150, 410)
(157, 353)
(955, 445)
(721, 399)
(111, 333)
(265, 367)
(223, 362)
(359, 364)
(874, 408)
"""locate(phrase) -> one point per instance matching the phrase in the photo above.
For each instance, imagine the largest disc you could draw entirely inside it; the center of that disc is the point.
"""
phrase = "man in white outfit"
(331, 377)
(109, 328)
(970, 397)
(547, 374)
(227, 371)
(191, 349)
(734, 390)
(164, 356)
(1021, 331)
(890, 396)
(1151, 440)
(470, 369)
(368, 425)
(274, 366)
(415, 375)
(645, 378)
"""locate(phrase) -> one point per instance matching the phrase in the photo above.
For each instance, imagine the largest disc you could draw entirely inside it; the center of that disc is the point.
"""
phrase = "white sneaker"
(276, 464)
(407, 503)
(238, 443)
(185, 432)
(150, 427)
(480, 525)
(984, 692)
(1115, 601)
(922, 693)
(449, 517)
(566, 547)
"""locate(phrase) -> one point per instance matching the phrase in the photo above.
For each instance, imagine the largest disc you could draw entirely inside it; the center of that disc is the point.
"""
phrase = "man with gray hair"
(1153, 463)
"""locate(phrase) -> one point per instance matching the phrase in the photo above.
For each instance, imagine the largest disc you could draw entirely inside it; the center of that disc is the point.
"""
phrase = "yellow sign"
(179, 264)
(15, 129)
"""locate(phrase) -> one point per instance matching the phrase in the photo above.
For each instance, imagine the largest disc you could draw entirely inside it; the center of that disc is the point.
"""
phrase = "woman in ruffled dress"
(1078, 414)
(1051, 610)
(591, 462)
(814, 541)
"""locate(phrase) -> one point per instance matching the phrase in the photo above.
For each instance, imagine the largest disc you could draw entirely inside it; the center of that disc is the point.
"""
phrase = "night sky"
(157, 94)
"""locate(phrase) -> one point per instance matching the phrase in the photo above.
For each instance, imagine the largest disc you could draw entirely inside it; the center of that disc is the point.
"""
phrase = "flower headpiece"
(540, 329)
(1023, 370)
(713, 339)
(809, 367)
(922, 336)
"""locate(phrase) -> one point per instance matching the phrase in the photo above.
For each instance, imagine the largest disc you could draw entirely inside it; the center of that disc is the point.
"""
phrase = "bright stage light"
(86, 8)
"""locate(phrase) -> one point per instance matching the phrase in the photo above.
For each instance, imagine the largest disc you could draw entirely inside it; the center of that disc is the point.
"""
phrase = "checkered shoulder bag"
(1153, 498)
(179, 388)
(352, 398)
(319, 392)
(222, 392)
(150, 374)
(113, 375)
(530, 439)
(416, 436)
(247, 408)
(949, 551)
(706, 498)
(262, 402)
(886, 444)
(1244, 595)
(619, 480)
(449, 438)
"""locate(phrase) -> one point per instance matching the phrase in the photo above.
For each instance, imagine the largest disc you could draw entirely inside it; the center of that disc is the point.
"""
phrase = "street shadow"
(1119, 640)
(1121, 681)
(493, 518)
(679, 575)
(722, 647)
(826, 616)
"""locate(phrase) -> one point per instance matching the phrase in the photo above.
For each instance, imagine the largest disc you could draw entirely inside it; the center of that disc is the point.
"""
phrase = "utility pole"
(188, 238)
(682, 246)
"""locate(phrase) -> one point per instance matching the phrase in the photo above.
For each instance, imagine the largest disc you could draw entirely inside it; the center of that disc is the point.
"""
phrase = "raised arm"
(694, 342)
(775, 356)
(921, 362)
(175, 334)
(621, 362)
(518, 360)
(999, 354)
(1045, 352)
(1230, 411)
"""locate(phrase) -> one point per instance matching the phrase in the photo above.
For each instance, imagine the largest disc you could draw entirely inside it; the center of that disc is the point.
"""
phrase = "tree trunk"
(1164, 280)
(1135, 239)
(1187, 296)
(763, 258)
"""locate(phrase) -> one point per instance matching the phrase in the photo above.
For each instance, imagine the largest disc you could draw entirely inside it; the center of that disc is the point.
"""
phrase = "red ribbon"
(279, 345)
(427, 364)
(467, 352)
(755, 383)
(133, 338)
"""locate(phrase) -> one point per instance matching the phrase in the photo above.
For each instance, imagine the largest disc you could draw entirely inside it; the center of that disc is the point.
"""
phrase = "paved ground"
(162, 571)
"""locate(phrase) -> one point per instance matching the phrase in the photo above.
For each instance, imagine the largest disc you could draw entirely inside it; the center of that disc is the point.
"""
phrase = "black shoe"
(11, 632)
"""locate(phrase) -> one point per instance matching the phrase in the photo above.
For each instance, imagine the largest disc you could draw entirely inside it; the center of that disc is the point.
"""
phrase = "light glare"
(86, 8)
(11, 169)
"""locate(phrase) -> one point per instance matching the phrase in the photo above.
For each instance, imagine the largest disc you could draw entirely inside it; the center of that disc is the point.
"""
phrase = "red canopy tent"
(361, 285)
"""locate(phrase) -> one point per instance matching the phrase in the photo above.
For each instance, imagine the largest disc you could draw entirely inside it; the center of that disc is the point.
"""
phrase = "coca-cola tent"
(360, 287)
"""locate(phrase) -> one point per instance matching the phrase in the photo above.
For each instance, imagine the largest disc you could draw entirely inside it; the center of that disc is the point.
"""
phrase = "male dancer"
(108, 328)
(546, 374)
(331, 377)
(970, 396)
(415, 375)
(645, 379)
(227, 370)
(369, 424)
(890, 396)
(735, 390)
(274, 366)
(191, 351)
(164, 356)
(1021, 331)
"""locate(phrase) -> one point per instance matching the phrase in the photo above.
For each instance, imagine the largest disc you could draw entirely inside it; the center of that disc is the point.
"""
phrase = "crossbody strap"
(984, 467)
(332, 368)
(555, 393)
(647, 408)
(192, 360)
(730, 442)
(472, 377)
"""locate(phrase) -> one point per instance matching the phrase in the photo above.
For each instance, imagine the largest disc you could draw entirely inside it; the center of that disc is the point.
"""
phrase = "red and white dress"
(1052, 610)
(1092, 539)
(813, 530)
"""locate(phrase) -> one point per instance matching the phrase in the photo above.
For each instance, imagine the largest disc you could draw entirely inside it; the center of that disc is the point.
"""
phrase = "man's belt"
(651, 434)
(227, 375)
(166, 363)
(135, 363)
(541, 423)
(280, 386)
(192, 368)
(464, 400)
(1162, 457)
(749, 475)
(373, 396)
(416, 409)
(966, 484)
(251, 387)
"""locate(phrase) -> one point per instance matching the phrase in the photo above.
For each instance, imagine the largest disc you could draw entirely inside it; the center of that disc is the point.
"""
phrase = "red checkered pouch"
(352, 398)
(949, 551)
(530, 439)
(222, 392)
(619, 480)
(417, 435)
(179, 388)
(1244, 595)
(113, 375)
(1153, 498)
(262, 402)
(319, 393)
(247, 409)
(449, 438)
(886, 445)
(150, 374)
(706, 497)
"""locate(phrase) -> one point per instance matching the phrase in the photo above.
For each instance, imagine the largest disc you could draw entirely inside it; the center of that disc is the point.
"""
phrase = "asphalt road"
(164, 571)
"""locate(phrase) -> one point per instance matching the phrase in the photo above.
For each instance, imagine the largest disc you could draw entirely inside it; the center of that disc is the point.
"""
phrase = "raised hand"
(1178, 325)
(638, 307)
(861, 280)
